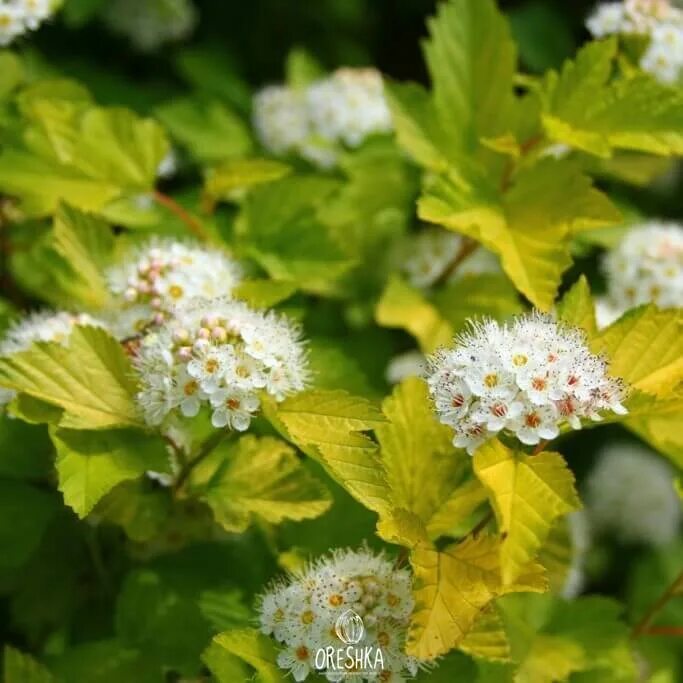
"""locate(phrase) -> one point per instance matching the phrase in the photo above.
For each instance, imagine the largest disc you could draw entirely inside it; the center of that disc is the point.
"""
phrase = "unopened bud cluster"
(342, 109)
(303, 614)
(162, 274)
(527, 379)
(20, 16)
(646, 267)
(657, 20)
(220, 354)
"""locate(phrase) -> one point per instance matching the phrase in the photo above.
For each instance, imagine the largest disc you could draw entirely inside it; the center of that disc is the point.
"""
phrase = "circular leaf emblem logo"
(349, 627)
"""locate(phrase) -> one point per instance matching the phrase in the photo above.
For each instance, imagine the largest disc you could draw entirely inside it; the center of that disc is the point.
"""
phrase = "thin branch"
(172, 205)
(663, 631)
(481, 524)
(204, 450)
(540, 447)
(510, 167)
(643, 626)
(467, 247)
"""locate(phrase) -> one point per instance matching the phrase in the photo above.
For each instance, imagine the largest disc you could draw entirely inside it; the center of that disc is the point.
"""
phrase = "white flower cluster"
(430, 253)
(342, 109)
(304, 614)
(219, 353)
(630, 493)
(41, 326)
(646, 266)
(20, 16)
(528, 378)
(152, 23)
(407, 364)
(658, 20)
(161, 274)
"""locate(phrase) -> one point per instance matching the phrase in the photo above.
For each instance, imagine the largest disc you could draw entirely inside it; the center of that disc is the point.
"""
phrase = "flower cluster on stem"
(303, 612)
(17, 17)
(220, 354)
(526, 379)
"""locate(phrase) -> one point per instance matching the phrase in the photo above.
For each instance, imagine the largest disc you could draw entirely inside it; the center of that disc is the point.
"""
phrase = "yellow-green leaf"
(90, 379)
(487, 639)
(577, 307)
(257, 650)
(329, 426)
(529, 227)
(230, 179)
(453, 586)
(91, 463)
(528, 494)
(263, 478)
(405, 307)
(645, 348)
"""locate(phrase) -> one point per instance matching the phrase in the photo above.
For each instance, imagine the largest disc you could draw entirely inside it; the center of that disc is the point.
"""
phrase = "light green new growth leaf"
(90, 464)
(585, 108)
(423, 470)
(577, 307)
(528, 494)
(257, 650)
(530, 228)
(263, 478)
(263, 293)
(405, 307)
(231, 179)
(487, 639)
(90, 379)
(85, 243)
(471, 59)
(85, 155)
(329, 426)
(22, 668)
(208, 129)
(645, 349)
(452, 589)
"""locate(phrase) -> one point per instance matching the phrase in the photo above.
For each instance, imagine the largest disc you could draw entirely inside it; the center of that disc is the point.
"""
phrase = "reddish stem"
(172, 205)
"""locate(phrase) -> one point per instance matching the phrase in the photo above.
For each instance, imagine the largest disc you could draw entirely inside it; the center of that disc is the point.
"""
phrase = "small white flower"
(646, 267)
(302, 613)
(630, 494)
(527, 378)
(408, 364)
(201, 358)
(20, 16)
(280, 119)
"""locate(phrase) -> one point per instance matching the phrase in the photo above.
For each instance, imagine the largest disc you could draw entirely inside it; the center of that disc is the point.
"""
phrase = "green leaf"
(11, 72)
(530, 228)
(224, 666)
(85, 244)
(22, 668)
(263, 478)
(453, 587)
(301, 68)
(405, 307)
(263, 293)
(329, 426)
(423, 470)
(477, 296)
(586, 109)
(487, 639)
(90, 464)
(87, 156)
(90, 379)
(645, 349)
(528, 494)
(257, 650)
(280, 229)
(471, 59)
(229, 180)
(25, 514)
(577, 307)
(207, 128)
(332, 367)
